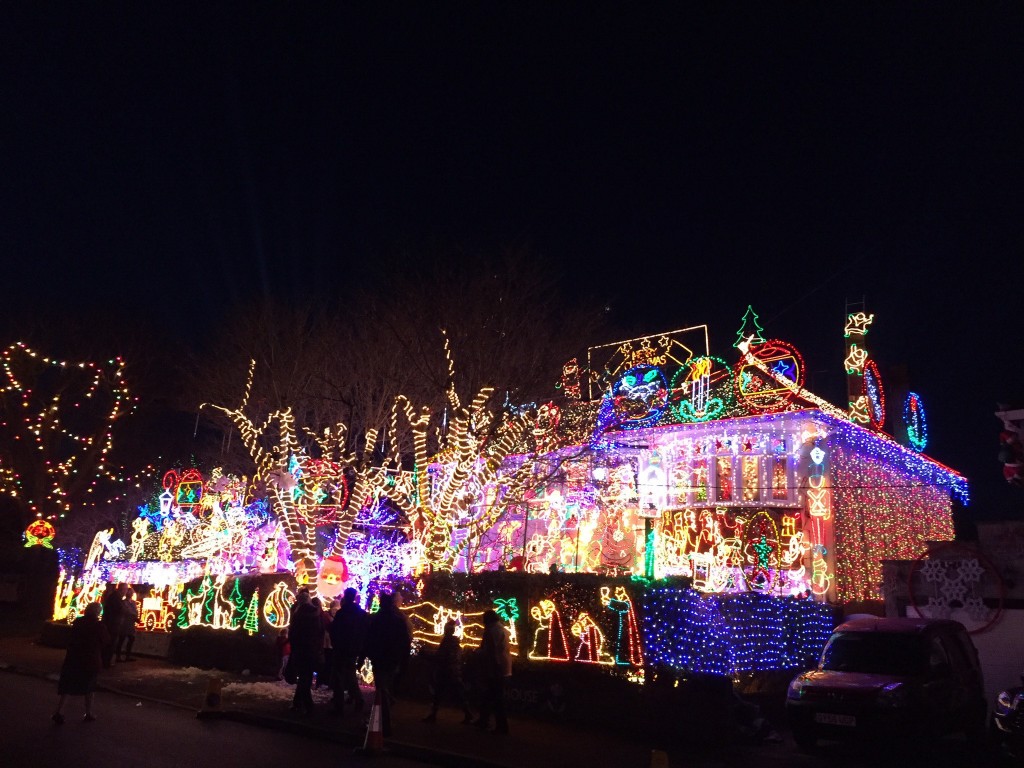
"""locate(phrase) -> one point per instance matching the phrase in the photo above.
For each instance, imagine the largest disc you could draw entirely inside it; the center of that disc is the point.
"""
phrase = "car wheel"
(805, 738)
(977, 729)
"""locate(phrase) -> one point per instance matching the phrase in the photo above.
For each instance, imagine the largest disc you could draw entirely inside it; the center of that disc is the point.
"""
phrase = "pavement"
(265, 702)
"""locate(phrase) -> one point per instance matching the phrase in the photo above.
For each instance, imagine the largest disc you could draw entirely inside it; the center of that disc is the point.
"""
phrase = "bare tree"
(56, 432)
(299, 479)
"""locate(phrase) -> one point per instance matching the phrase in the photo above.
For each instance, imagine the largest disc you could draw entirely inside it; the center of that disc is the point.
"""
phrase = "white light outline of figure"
(701, 378)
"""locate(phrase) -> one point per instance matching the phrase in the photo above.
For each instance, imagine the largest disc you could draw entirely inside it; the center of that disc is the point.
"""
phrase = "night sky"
(678, 164)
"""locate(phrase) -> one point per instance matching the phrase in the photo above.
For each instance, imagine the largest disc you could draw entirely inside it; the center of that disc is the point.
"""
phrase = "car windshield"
(878, 653)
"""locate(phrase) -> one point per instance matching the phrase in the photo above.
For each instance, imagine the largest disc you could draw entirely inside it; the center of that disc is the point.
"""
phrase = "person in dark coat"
(126, 632)
(494, 665)
(111, 601)
(306, 635)
(388, 642)
(447, 674)
(348, 638)
(83, 661)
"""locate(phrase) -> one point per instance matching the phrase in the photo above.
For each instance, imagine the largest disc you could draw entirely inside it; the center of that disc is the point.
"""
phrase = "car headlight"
(893, 695)
(1004, 703)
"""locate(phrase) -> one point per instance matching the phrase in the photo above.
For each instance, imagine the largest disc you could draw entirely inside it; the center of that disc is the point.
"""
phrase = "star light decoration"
(59, 416)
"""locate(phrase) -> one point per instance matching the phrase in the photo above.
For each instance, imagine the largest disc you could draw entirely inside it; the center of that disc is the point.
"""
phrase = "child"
(284, 650)
(448, 674)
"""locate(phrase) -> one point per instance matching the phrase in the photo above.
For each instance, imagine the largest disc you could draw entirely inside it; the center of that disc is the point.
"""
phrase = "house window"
(780, 479)
(700, 480)
(724, 485)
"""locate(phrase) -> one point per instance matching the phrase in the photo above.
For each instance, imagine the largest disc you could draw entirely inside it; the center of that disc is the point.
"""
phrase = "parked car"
(890, 677)
(1008, 720)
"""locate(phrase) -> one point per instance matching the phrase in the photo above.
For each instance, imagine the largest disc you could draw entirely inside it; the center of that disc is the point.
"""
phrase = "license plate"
(827, 718)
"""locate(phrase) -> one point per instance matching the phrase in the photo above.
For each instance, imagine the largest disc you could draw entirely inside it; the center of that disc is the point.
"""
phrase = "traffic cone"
(374, 735)
(213, 689)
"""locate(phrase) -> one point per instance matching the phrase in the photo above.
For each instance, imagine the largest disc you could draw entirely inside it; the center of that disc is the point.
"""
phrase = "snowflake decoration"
(938, 608)
(934, 570)
(977, 610)
(953, 590)
(971, 570)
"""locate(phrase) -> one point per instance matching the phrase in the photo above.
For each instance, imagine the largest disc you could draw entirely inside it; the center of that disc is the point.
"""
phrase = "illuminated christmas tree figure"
(207, 599)
(238, 603)
(750, 328)
(187, 599)
(252, 614)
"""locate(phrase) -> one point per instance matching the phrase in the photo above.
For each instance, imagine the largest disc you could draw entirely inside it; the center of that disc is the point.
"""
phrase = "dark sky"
(678, 163)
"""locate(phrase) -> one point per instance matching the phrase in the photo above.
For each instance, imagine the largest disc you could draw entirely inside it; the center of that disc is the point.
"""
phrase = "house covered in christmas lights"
(730, 473)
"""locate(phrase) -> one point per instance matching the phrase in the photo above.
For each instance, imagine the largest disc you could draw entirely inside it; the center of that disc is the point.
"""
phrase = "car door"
(940, 686)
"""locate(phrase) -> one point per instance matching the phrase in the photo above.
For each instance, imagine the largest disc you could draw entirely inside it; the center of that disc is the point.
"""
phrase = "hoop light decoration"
(697, 394)
(875, 394)
(761, 393)
(914, 419)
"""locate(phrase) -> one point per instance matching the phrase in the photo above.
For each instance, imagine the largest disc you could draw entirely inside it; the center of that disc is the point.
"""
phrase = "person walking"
(447, 675)
(325, 675)
(388, 642)
(82, 662)
(306, 635)
(126, 632)
(111, 601)
(348, 639)
(495, 665)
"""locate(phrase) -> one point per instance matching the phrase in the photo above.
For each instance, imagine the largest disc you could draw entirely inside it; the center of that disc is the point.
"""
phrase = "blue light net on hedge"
(727, 634)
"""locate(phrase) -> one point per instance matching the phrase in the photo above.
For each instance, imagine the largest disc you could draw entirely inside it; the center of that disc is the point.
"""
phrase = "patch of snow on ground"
(277, 690)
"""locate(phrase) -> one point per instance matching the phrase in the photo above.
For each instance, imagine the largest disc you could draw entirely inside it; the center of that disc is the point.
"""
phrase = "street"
(127, 733)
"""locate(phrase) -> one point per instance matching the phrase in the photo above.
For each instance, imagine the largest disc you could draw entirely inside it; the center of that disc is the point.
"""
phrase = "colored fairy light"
(874, 393)
(727, 635)
(69, 456)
